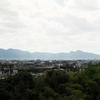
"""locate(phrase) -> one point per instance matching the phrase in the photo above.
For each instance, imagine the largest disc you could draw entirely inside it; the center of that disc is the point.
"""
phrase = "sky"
(50, 25)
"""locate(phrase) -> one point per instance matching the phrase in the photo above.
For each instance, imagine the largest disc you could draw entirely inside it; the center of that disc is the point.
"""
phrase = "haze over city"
(50, 25)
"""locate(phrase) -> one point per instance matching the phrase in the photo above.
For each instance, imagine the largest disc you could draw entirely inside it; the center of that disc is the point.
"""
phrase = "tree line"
(55, 85)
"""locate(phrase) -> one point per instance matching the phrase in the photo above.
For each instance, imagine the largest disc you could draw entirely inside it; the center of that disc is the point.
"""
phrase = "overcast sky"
(50, 25)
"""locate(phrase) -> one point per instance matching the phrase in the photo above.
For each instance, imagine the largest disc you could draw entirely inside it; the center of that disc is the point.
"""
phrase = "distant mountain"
(19, 54)
(81, 54)
(14, 54)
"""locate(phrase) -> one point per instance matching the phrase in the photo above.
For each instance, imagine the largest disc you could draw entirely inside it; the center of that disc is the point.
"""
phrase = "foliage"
(55, 85)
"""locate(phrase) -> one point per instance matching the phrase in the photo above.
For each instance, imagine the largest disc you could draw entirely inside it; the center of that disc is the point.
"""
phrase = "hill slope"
(19, 54)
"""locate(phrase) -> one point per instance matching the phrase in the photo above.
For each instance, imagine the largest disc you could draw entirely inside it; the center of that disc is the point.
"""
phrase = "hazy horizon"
(50, 52)
(50, 25)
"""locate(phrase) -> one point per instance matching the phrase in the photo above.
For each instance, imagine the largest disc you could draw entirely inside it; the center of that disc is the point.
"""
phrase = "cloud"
(82, 4)
(50, 25)
(14, 24)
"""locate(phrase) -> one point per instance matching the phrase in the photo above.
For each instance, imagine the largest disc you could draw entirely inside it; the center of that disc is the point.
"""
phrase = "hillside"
(56, 85)
(19, 54)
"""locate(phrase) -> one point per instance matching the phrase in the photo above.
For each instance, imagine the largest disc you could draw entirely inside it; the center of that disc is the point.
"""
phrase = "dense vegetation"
(56, 85)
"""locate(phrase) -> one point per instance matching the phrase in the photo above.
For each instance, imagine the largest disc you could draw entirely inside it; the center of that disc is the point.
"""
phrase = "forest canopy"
(55, 85)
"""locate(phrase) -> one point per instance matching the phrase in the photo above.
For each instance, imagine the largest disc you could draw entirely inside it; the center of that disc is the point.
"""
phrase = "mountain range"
(19, 54)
